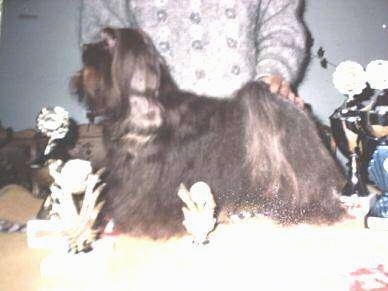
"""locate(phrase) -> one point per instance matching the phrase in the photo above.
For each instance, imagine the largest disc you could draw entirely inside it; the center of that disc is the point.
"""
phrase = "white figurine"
(53, 123)
(198, 213)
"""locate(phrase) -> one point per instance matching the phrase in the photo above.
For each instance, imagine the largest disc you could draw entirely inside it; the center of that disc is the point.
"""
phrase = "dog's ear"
(108, 35)
(136, 63)
(146, 113)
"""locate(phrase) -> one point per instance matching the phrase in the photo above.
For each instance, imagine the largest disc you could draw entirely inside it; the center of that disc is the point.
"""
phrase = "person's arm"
(281, 45)
(98, 14)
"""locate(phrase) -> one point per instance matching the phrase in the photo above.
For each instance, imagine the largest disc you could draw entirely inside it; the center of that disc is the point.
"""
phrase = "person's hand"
(277, 85)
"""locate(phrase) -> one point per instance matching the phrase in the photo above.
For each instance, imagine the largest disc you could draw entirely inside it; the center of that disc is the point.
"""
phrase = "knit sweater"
(211, 47)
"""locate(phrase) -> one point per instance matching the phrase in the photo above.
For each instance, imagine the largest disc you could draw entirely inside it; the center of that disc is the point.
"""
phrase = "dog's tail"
(290, 167)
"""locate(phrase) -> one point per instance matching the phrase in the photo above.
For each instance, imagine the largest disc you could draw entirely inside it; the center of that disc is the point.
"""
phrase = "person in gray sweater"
(213, 47)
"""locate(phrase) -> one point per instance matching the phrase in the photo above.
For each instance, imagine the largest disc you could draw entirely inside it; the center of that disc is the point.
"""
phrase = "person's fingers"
(277, 85)
(285, 91)
(273, 82)
(299, 102)
(291, 97)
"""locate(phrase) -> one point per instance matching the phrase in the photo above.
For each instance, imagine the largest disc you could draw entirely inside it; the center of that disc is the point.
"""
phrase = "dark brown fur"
(256, 151)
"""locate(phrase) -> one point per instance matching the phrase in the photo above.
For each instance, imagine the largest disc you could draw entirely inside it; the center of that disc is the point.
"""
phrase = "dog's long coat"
(257, 152)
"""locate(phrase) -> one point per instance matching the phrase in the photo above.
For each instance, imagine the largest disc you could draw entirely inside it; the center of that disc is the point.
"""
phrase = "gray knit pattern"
(212, 47)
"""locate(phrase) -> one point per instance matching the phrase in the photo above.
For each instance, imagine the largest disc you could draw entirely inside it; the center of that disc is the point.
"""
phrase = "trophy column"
(345, 125)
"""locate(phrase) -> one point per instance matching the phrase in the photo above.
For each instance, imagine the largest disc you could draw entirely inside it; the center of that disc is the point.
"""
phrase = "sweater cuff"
(272, 68)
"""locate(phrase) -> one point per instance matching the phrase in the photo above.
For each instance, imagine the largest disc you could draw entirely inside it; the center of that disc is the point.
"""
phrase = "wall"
(39, 51)
(347, 30)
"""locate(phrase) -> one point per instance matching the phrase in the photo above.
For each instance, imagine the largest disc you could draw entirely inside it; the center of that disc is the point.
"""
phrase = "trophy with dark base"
(361, 132)
(345, 125)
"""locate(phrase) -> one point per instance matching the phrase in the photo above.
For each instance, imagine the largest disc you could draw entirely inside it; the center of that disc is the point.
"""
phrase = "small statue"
(53, 123)
(75, 218)
(73, 202)
(198, 213)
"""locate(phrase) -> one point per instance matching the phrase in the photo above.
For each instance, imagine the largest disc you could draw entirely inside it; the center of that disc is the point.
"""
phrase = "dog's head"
(122, 66)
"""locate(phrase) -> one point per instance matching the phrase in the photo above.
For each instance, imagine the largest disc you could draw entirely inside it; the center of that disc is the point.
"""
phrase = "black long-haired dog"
(257, 152)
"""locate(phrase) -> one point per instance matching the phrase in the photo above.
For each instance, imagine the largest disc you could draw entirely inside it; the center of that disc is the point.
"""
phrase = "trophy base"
(359, 189)
(376, 223)
(380, 206)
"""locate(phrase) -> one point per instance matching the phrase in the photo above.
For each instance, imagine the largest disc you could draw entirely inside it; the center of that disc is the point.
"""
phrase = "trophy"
(361, 132)
(349, 78)
(345, 127)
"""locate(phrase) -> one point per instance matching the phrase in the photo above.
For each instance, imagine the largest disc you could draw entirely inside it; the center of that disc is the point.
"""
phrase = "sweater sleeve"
(281, 39)
(97, 14)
